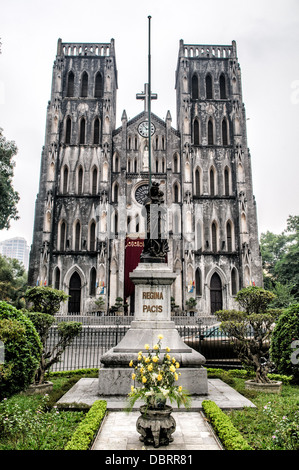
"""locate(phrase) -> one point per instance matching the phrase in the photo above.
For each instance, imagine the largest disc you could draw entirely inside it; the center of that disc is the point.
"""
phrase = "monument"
(153, 279)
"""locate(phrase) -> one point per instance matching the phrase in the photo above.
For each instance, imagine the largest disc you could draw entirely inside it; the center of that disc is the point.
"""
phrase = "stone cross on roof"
(145, 96)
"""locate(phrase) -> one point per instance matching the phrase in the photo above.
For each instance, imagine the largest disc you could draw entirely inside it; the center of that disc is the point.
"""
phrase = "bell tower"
(223, 250)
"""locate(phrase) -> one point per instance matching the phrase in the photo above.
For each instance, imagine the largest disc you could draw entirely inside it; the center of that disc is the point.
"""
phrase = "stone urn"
(269, 387)
(156, 425)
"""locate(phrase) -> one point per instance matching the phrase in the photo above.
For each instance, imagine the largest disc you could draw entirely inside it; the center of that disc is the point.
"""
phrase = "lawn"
(35, 423)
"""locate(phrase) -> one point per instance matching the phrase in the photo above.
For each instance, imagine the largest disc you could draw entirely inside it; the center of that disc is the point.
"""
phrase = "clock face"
(143, 129)
(141, 193)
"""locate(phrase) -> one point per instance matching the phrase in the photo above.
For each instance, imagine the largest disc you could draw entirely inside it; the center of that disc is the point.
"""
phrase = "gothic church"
(89, 217)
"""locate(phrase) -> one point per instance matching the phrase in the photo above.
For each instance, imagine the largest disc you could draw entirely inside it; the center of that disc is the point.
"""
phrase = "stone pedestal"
(152, 318)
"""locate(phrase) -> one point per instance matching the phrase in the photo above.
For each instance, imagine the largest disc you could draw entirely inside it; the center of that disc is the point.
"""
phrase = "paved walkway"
(192, 432)
(118, 430)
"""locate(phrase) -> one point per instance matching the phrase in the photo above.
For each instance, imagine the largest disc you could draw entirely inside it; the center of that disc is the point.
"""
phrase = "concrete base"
(118, 381)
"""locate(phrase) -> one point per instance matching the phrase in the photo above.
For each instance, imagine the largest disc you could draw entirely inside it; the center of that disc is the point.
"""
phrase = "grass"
(274, 423)
(33, 422)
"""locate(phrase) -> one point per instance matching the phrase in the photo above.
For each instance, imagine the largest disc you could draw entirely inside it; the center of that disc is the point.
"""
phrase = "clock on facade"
(143, 129)
(141, 193)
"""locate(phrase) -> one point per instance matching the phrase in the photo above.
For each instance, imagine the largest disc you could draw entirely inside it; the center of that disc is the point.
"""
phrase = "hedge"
(85, 432)
(227, 433)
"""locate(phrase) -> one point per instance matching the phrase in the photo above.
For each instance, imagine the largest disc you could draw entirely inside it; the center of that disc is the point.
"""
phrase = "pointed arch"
(92, 281)
(61, 235)
(224, 131)
(215, 293)
(75, 284)
(68, 130)
(212, 175)
(115, 192)
(98, 88)
(82, 131)
(229, 235)
(210, 131)
(214, 236)
(56, 278)
(94, 181)
(176, 192)
(209, 86)
(80, 180)
(222, 86)
(92, 236)
(96, 131)
(226, 181)
(77, 235)
(70, 84)
(197, 182)
(65, 180)
(175, 162)
(196, 133)
(195, 87)
(84, 85)
(234, 281)
(198, 282)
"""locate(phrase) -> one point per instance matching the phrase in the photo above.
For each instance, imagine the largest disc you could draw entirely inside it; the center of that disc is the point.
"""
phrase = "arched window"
(116, 223)
(197, 182)
(196, 132)
(115, 193)
(80, 181)
(176, 192)
(210, 132)
(194, 90)
(62, 236)
(214, 237)
(57, 278)
(212, 182)
(98, 88)
(92, 237)
(65, 180)
(222, 87)
(84, 85)
(157, 165)
(82, 131)
(175, 163)
(74, 294)
(77, 236)
(226, 181)
(92, 281)
(198, 290)
(209, 87)
(224, 132)
(68, 130)
(234, 281)
(229, 239)
(70, 85)
(96, 131)
(215, 293)
(94, 182)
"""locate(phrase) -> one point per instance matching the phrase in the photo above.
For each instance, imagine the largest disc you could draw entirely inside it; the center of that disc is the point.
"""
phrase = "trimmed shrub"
(22, 350)
(285, 342)
(222, 425)
(85, 432)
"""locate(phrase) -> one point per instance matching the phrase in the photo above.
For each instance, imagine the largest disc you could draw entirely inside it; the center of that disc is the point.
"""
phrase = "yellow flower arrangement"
(157, 377)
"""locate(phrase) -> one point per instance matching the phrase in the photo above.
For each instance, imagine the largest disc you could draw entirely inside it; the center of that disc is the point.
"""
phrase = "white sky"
(267, 35)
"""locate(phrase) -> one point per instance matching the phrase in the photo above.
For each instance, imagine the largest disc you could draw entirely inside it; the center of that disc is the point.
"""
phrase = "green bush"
(222, 425)
(284, 336)
(87, 429)
(22, 350)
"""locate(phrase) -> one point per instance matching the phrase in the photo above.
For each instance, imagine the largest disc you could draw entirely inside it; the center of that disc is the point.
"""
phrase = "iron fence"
(86, 349)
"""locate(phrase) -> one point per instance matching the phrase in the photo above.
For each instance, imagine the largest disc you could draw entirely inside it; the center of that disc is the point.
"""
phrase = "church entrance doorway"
(216, 293)
(75, 294)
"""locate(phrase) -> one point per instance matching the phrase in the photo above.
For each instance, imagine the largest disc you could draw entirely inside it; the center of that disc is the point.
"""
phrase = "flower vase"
(156, 425)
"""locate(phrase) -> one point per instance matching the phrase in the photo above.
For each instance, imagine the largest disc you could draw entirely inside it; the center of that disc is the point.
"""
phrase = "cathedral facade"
(90, 221)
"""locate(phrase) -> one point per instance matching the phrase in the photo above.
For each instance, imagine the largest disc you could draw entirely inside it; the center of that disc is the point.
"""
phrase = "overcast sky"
(267, 36)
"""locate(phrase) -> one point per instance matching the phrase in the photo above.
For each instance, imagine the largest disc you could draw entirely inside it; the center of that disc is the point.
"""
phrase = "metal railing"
(87, 348)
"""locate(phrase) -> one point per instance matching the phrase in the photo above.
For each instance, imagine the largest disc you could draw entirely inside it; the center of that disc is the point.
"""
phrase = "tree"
(285, 342)
(280, 254)
(45, 302)
(22, 347)
(8, 196)
(13, 281)
(251, 328)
